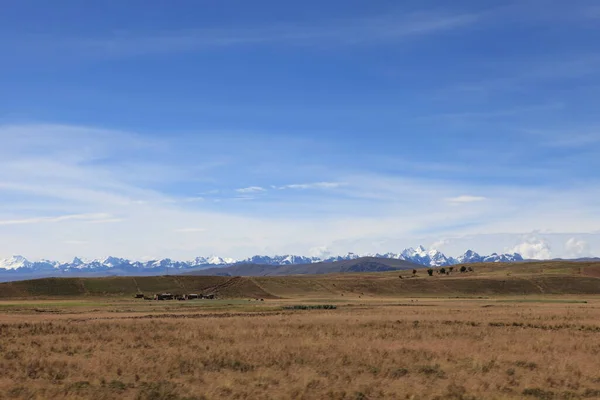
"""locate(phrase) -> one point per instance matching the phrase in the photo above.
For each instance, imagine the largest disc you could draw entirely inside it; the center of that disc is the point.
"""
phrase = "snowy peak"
(113, 261)
(15, 262)
(419, 255)
(503, 258)
(77, 262)
(212, 260)
(469, 257)
(279, 260)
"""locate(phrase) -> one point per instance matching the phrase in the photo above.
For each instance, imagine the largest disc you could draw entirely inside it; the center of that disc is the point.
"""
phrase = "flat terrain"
(442, 337)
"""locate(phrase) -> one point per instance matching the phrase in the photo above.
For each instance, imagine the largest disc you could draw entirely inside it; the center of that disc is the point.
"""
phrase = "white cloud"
(190, 230)
(105, 221)
(193, 199)
(320, 251)
(62, 218)
(314, 185)
(251, 189)
(52, 190)
(465, 199)
(533, 248)
(577, 247)
(439, 244)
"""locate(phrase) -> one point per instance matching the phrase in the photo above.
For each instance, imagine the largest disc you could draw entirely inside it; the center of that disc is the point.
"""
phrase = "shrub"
(432, 370)
(591, 393)
(117, 386)
(528, 365)
(430, 272)
(414, 271)
(450, 269)
(399, 373)
(78, 386)
(443, 270)
(463, 269)
(470, 269)
(157, 391)
(539, 393)
(360, 396)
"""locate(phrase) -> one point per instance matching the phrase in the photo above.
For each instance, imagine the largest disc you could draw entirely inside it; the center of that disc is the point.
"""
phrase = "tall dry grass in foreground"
(444, 351)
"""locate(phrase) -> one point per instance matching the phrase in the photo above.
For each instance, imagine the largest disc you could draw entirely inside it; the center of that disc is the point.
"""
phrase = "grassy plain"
(473, 344)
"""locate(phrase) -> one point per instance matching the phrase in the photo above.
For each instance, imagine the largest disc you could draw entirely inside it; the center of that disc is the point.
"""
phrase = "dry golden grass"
(426, 349)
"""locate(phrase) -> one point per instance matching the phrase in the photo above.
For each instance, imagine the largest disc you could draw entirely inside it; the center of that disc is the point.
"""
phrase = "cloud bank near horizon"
(78, 191)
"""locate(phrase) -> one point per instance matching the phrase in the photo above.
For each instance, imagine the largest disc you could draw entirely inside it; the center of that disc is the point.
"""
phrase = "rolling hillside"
(488, 280)
(364, 264)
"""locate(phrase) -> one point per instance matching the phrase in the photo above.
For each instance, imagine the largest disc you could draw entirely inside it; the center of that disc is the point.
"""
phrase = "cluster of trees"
(443, 270)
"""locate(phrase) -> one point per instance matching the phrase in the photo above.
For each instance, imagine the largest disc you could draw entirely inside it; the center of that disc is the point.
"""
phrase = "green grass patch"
(52, 304)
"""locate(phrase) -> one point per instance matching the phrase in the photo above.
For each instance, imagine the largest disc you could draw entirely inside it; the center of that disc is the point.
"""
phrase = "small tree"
(450, 269)
(414, 272)
(463, 269)
(443, 271)
(430, 272)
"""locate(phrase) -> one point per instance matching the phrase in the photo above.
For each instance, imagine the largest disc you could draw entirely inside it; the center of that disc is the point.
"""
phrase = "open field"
(537, 336)
(540, 348)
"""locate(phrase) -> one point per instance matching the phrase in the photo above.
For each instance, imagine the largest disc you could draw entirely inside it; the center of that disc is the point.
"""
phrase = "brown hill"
(363, 264)
(556, 277)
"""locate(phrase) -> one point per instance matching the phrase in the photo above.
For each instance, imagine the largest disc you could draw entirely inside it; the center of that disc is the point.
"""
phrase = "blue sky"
(162, 129)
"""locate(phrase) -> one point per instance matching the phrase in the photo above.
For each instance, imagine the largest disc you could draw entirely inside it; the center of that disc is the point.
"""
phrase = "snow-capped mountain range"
(111, 265)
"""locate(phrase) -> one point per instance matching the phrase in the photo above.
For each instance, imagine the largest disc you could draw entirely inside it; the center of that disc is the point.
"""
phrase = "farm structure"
(169, 296)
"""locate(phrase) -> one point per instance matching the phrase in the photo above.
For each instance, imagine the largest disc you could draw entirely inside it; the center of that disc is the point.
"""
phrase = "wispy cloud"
(576, 137)
(105, 221)
(336, 32)
(62, 218)
(349, 206)
(592, 12)
(500, 113)
(521, 74)
(251, 189)
(243, 198)
(184, 200)
(465, 199)
(190, 230)
(76, 242)
(576, 140)
(314, 185)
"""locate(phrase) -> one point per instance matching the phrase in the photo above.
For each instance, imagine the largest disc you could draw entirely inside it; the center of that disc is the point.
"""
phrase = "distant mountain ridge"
(122, 266)
(362, 264)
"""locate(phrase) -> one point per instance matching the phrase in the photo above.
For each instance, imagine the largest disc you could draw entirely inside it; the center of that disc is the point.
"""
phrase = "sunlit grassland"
(415, 348)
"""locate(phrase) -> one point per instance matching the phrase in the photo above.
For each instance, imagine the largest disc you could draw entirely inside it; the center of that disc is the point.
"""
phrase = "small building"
(164, 296)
